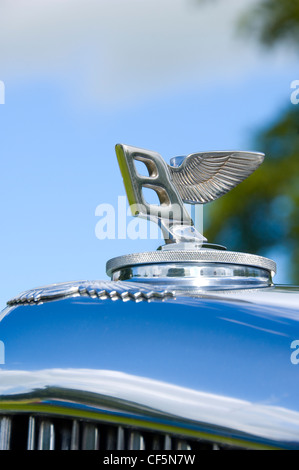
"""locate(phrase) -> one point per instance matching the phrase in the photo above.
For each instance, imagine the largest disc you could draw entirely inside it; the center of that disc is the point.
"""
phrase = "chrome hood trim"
(150, 404)
(96, 289)
(276, 295)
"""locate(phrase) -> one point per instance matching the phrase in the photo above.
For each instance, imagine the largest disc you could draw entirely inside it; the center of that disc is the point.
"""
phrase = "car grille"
(36, 432)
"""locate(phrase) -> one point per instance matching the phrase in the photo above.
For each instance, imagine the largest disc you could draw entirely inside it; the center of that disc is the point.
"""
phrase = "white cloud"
(118, 50)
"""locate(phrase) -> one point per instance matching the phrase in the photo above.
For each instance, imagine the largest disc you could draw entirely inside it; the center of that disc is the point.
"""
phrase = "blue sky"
(82, 76)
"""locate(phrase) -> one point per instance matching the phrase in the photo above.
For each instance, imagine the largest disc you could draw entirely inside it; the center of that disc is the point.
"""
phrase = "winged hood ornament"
(205, 176)
(198, 178)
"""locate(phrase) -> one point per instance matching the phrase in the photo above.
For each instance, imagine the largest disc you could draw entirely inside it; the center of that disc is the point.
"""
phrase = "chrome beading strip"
(95, 289)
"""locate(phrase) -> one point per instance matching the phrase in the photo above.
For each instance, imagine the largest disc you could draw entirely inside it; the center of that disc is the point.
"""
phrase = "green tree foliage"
(263, 212)
(273, 21)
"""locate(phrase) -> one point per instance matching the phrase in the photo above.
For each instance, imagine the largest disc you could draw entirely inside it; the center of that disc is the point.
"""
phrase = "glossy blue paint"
(205, 344)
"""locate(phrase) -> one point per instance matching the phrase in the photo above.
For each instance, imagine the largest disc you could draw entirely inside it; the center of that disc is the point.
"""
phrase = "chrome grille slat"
(65, 437)
(37, 432)
(120, 439)
(111, 439)
(5, 433)
(136, 441)
(182, 445)
(90, 439)
(46, 437)
(156, 443)
(75, 435)
(167, 443)
(31, 434)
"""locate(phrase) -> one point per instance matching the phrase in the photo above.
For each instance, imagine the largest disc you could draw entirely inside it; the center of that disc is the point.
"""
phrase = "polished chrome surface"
(139, 406)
